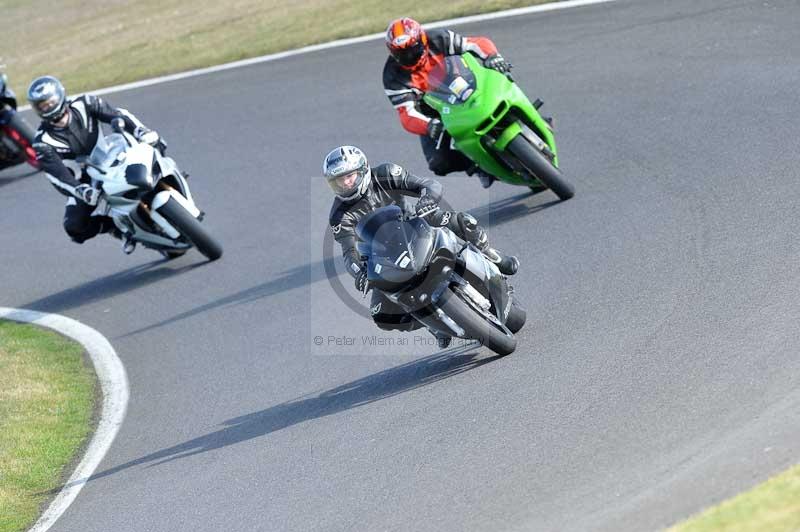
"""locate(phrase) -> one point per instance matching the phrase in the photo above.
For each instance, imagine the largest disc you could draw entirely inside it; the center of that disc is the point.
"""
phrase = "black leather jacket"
(390, 184)
(78, 138)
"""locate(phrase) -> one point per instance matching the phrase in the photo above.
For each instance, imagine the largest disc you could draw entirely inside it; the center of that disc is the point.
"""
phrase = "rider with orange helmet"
(413, 54)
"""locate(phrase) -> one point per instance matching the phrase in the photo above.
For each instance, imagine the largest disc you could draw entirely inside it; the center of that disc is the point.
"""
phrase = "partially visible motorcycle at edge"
(16, 136)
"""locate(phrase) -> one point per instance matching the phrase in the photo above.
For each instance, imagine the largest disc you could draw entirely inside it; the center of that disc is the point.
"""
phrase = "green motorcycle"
(493, 123)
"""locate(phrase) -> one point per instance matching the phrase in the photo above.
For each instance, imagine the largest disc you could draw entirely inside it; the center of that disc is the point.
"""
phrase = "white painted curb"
(541, 8)
(114, 385)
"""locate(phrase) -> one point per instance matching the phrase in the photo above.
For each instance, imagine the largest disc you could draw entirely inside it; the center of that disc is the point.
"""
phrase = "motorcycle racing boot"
(485, 179)
(128, 244)
(507, 264)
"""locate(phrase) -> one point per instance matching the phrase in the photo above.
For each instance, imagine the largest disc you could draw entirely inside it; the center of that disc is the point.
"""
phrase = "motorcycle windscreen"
(109, 153)
(451, 80)
(396, 249)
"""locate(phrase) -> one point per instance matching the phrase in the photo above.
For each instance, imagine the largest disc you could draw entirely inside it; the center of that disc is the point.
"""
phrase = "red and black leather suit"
(405, 87)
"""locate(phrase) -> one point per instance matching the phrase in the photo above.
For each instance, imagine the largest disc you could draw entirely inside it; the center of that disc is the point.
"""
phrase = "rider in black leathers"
(69, 130)
(360, 190)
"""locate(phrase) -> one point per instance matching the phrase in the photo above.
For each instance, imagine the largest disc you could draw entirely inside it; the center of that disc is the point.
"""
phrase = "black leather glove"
(496, 62)
(361, 280)
(87, 194)
(426, 205)
(435, 128)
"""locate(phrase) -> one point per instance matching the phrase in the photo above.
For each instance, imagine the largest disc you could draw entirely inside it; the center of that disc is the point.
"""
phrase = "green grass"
(46, 401)
(91, 44)
(773, 506)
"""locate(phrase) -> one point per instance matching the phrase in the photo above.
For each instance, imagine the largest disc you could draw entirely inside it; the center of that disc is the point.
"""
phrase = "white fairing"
(107, 166)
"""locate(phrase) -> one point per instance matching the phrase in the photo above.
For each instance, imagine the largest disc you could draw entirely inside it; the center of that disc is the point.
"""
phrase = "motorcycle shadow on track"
(111, 285)
(508, 209)
(297, 277)
(369, 389)
(492, 214)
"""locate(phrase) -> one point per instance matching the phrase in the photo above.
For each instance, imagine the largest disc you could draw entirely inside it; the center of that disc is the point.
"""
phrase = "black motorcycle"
(16, 136)
(443, 282)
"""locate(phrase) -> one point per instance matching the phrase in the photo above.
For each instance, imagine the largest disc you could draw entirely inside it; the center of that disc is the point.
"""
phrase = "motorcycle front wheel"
(191, 228)
(538, 165)
(475, 325)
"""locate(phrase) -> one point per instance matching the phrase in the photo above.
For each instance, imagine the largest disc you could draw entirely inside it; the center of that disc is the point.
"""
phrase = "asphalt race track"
(658, 370)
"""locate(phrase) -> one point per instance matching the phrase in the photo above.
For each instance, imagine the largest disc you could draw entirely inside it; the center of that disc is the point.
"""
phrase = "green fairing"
(468, 122)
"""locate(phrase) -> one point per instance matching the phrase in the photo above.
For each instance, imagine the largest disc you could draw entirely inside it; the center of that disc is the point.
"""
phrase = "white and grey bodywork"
(135, 176)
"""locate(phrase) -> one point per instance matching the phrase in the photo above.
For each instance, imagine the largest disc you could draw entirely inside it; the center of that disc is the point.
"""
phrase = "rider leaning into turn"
(69, 130)
(413, 54)
(360, 190)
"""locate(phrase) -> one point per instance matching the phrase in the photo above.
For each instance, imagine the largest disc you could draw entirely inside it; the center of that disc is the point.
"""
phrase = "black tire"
(190, 227)
(539, 166)
(475, 326)
(516, 317)
(23, 127)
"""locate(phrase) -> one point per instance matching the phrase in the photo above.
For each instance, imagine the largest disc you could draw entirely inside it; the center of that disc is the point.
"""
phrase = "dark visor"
(45, 106)
(409, 56)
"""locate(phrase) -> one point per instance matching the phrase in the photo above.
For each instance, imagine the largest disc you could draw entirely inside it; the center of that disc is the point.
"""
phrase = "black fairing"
(497, 287)
(416, 264)
(398, 251)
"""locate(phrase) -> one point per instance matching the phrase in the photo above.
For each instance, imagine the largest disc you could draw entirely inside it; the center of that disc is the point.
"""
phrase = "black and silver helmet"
(347, 171)
(48, 98)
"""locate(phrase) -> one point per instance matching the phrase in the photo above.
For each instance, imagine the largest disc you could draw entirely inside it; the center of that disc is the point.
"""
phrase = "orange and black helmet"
(407, 41)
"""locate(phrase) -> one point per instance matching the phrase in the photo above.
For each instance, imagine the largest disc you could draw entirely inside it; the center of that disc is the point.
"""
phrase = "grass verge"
(46, 404)
(91, 44)
(771, 506)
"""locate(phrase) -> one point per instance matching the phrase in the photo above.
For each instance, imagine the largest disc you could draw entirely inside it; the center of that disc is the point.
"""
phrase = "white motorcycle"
(147, 196)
